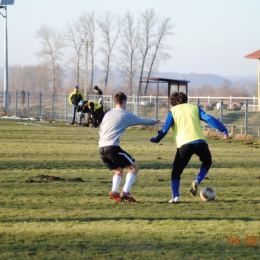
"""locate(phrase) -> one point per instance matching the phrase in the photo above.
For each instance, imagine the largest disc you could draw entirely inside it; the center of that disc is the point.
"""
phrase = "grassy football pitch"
(71, 216)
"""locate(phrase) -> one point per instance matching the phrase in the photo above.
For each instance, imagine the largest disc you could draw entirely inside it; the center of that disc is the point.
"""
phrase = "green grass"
(77, 220)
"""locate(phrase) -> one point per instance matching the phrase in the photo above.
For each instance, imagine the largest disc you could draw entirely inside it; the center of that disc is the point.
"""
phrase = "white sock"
(116, 182)
(130, 178)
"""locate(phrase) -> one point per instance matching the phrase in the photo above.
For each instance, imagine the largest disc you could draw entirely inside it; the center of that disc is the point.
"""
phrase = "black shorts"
(114, 157)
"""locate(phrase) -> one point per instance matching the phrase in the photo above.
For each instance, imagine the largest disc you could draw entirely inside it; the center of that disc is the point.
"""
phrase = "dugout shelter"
(173, 85)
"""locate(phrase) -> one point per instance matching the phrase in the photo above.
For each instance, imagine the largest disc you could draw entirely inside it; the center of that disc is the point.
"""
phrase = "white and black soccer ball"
(207, 194)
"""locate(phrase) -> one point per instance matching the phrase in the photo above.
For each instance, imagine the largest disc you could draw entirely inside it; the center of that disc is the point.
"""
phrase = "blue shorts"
(114, 157)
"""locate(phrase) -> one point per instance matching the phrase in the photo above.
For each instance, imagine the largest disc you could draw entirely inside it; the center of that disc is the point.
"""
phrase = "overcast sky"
(210, 36)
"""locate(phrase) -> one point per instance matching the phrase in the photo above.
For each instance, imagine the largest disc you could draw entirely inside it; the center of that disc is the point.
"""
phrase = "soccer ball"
(207, 194)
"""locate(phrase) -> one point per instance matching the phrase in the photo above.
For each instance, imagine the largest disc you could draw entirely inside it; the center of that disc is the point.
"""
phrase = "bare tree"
(225, 87)
(50, 52)
(148, 22)
(88, 23)
(129, 50)
(207, 90)
(75, 36)
(158, 54)
(110, 26)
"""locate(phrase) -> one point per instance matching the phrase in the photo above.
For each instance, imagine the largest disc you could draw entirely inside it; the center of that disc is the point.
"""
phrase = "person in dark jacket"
(98, 91)
(99, 94)
(74, 98)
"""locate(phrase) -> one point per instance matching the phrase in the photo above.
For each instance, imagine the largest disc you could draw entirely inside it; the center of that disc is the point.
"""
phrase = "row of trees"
(134, 44)
(36, 79)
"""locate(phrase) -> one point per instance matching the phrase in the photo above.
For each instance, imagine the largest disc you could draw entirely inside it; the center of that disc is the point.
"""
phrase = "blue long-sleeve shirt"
(210, 120)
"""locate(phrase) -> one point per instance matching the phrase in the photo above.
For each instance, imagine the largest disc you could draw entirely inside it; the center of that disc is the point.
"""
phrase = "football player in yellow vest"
(184, 119)
(96, 112)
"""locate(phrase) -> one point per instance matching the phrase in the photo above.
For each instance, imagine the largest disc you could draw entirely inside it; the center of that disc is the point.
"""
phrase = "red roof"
(254, 55)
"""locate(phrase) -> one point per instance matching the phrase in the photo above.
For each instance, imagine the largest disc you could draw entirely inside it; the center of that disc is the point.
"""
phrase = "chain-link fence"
(239, 114)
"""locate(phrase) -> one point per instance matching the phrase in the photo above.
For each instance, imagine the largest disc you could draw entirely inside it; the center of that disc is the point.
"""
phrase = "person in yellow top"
(96, 112)
(74, 98)
(184, 119)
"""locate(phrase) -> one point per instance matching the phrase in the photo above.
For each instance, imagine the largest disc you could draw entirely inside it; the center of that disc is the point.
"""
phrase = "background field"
(45, 219)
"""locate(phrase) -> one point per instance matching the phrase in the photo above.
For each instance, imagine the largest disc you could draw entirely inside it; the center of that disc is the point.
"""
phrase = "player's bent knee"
(206, 165)
(134, 168)
(119, 171)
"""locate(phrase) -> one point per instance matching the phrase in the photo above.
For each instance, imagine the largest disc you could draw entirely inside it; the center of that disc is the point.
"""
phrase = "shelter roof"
(165, 80)
(253, 55)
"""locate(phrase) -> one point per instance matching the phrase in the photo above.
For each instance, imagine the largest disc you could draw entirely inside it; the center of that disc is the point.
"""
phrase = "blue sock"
(201, 175)
(175, 188)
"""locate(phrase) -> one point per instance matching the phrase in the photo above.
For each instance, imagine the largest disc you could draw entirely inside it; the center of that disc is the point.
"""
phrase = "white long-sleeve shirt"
(115, 123)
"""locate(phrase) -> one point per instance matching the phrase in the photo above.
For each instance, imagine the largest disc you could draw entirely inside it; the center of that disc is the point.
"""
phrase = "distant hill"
(197, 79)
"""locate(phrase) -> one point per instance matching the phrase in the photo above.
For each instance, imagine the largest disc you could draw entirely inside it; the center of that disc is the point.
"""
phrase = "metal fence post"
(221, 110)
(246, 117)
(16, 103)
(66, 106)
(198, 102)
(111, 102)
(28, 103)
(52, 106)
(134, 104)
(40, 104)
(137, 106)
(156, 108)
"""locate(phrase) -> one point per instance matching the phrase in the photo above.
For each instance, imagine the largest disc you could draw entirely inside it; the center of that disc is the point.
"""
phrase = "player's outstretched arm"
(213, 122)
(168, 124)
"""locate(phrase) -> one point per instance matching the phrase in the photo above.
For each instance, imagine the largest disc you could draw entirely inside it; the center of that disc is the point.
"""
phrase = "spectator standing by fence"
(99, 94)
(74, 98)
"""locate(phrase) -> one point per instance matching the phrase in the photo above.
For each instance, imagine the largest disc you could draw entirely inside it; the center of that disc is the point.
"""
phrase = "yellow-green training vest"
(186, 127)
(96, 105)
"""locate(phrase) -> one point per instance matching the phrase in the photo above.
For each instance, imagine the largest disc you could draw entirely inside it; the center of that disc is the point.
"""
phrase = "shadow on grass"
(93, 219)
(49, 165)
(72, 164)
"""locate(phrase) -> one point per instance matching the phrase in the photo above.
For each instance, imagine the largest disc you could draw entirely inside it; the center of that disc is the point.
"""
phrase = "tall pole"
(86, 72)
(6, 107)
